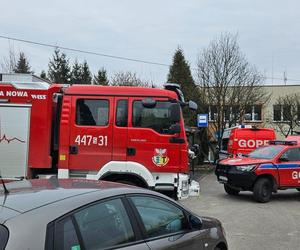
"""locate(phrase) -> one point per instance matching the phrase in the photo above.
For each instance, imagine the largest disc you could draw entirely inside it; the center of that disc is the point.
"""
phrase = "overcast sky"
(152, 30)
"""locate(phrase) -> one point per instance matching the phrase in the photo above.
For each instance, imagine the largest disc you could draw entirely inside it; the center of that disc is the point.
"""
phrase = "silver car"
(77, 214)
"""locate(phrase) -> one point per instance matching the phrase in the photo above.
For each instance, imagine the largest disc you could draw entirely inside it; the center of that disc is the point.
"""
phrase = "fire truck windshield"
(268, 152)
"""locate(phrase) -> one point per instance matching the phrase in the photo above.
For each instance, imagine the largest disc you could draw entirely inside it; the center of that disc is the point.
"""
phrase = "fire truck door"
(120, 129)
(91, 132)
(149, 140)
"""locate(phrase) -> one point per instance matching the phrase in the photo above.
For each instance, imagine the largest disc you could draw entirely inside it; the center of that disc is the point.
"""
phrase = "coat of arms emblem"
(160, 158)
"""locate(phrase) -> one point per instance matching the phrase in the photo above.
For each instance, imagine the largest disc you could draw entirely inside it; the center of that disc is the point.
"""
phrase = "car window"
(3, 237)
(102, 225)
(292, 154)
(158, 216)
(66, 237)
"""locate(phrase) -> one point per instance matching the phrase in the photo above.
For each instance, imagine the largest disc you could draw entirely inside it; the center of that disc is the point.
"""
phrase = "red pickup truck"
(264, 170)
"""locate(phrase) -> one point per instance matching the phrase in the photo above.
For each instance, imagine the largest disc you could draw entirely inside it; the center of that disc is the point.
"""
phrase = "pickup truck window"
(292, 154)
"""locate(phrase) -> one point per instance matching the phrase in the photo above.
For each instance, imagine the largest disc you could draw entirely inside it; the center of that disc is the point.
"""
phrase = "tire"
(262, 190)
(298, 189)
(231, 191)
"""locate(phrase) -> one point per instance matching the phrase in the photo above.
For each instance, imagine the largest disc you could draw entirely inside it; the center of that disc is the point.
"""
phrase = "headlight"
(185, 185)
(223, 230)
(246, 167)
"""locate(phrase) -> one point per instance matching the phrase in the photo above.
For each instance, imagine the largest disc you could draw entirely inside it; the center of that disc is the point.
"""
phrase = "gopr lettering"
(295, 175)
(251, 143)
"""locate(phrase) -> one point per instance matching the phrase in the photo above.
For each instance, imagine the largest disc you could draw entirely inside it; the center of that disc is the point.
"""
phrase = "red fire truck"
(264, 171)
(132, 135)
(243, 139)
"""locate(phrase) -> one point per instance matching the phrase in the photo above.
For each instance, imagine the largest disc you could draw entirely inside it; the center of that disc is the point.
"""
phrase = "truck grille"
(222, 169)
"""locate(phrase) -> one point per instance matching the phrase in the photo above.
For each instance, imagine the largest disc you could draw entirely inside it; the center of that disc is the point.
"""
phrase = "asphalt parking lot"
(248, 224)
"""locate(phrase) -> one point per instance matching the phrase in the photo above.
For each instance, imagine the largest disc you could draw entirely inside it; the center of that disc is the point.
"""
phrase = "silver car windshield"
(268, 152)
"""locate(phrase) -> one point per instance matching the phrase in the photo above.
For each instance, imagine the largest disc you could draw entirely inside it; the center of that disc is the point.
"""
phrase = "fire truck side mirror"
(149, 103)
(175, 113)
(192, 105)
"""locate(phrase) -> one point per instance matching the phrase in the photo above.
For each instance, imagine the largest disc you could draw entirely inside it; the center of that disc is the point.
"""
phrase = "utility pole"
(284, 77)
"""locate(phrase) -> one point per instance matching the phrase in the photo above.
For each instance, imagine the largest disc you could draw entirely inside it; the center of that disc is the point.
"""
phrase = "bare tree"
(9, 63)
(287, 114)
(228, 83)
(128, 79)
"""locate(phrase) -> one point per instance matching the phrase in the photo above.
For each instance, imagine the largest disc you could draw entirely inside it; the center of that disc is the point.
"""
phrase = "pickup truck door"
(289, 168)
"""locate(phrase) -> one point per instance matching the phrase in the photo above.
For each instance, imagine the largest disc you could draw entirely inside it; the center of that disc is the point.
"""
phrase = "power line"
(111, 56)
(277, 78)
(84, 51)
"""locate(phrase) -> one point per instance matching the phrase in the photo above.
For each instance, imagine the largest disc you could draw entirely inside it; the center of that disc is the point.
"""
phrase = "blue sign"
(202, 120)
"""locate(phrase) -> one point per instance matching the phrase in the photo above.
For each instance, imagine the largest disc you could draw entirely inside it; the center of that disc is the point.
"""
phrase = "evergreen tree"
(76, 74)
(86, 75)
(59, 69)
(101, 78)
(43, 75)
(22, 65)
(180, 73)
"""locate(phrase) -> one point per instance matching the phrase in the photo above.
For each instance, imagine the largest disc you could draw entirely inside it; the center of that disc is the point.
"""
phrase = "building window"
(276, 113)
(248, 113)
(281, 113)
(286, 113)
(226, 113)
(257, 112)
(229, 113)
(213, 113)
(253, 113)
(235, 112)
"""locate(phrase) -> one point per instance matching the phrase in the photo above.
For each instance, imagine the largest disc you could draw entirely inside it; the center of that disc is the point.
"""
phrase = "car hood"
(243, 161)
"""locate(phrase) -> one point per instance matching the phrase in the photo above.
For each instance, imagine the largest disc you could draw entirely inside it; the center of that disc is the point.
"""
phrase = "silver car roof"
(29, 195)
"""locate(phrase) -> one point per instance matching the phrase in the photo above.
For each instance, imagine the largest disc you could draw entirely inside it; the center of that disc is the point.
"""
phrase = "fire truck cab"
(243, 139)
(264, 170)
(132, 135)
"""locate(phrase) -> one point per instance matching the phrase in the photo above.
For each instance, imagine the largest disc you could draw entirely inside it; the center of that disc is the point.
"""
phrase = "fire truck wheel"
(231, 191)
(262, 190)
(298, 189)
